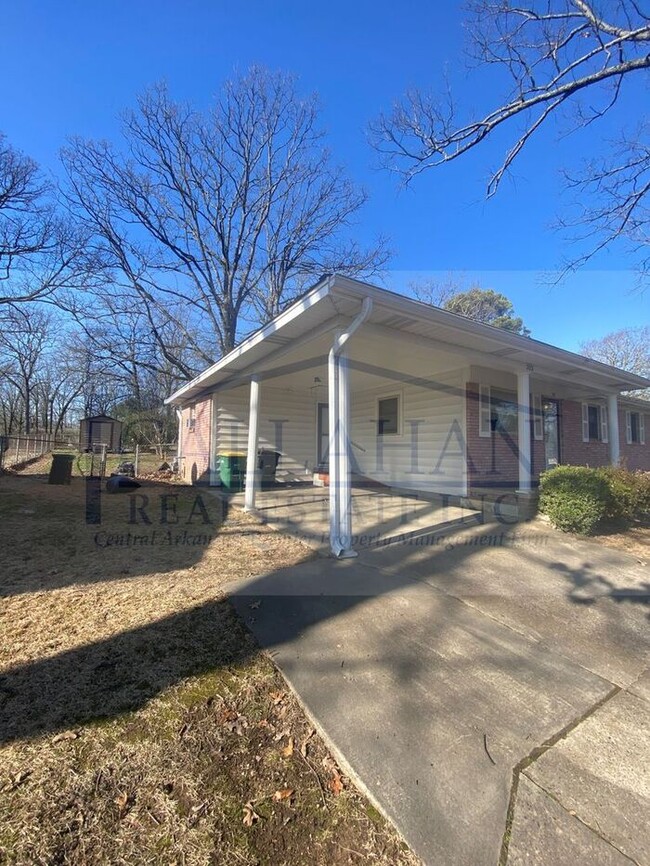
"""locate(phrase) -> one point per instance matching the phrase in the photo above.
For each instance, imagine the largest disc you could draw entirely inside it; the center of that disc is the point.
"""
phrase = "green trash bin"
(232, 470)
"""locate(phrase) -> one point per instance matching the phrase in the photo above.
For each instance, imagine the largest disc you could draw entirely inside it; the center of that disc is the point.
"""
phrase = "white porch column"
(252, 472)
(333, 457)
(345, 486)
(523, 430)
(614, 434)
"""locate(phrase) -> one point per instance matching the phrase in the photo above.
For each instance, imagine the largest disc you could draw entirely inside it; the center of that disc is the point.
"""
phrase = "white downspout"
(179, 443)
(339, 468)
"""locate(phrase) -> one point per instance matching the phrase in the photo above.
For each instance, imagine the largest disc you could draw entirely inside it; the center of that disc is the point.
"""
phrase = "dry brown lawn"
(139, 723)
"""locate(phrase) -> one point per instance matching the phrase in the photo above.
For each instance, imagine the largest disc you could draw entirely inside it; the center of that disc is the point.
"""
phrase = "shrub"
(576, 498)
(629, 493)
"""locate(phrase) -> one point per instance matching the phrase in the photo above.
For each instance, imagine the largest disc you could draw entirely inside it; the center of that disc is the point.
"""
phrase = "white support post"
(345, 486)
(252, 472)
(614, 434)
(333, 461)
(523, 431)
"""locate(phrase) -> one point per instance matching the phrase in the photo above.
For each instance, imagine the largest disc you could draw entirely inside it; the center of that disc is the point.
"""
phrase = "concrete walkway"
(487, 686)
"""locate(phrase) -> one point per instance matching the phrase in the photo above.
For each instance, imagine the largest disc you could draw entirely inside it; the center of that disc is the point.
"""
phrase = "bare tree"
(628, 349)
(557, 54)
(213, 221)
(41, 252)
(23, 341)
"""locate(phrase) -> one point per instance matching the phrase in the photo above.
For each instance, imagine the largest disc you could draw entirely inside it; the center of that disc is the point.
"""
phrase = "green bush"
(629, 493)
(576, 498)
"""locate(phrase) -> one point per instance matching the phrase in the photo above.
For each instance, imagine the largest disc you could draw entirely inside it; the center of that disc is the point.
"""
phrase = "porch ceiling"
(397, 332)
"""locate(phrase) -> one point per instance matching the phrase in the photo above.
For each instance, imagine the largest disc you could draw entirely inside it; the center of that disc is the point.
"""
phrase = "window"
(505, 411)
(635, 428)
(191, 418)
(485, 411)
(538, 417)
(497, 411)
(388, 416)
(594, 423)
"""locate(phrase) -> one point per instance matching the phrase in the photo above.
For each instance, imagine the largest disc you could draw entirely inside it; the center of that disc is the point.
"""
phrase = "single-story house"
(361, 385)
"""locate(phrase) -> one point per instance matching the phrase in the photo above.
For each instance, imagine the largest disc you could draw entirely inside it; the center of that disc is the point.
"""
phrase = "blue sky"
(68, 68)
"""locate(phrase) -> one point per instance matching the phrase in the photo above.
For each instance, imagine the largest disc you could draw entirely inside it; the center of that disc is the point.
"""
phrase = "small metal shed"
(100, 430)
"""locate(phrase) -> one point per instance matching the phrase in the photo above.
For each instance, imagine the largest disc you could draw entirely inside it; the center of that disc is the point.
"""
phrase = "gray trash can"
(267, 462)
(61, 469)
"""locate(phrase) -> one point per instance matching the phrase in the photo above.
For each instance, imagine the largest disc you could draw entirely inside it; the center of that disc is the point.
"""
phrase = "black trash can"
(61, 469)
(267, 462)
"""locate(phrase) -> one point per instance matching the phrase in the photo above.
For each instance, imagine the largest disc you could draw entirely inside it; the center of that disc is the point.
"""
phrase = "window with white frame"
(484, 411)
(594, 423)
(388, 415)
(538, 417)
(634, 428)
(191, 418)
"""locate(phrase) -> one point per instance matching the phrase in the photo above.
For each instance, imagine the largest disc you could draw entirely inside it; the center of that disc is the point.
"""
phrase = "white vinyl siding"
(429, 453)
(287, 423)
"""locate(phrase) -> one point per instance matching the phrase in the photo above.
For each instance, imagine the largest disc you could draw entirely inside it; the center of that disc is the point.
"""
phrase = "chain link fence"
(15, 450)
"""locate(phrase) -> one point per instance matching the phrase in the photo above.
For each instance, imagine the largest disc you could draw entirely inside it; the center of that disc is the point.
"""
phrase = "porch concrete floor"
(379, 517)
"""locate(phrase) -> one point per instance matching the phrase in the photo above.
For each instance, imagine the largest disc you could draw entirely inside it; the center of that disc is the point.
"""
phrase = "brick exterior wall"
(635, 456)
(492, 461)
(196, 443)
(573, 450)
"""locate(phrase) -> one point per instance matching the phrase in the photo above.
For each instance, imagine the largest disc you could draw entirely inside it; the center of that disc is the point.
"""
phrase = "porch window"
(594, 423)
(485, 411)
(388, 416)
(505, 411)
(635, 428)
(538, 417)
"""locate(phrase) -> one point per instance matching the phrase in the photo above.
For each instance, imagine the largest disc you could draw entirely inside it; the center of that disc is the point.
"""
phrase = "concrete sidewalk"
(491, 698)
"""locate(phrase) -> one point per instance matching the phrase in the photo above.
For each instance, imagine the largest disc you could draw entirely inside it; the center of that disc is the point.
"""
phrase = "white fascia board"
(317, 294)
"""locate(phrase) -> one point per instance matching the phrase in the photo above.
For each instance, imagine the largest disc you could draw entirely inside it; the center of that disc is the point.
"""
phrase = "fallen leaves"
(250, 815)
(335, 784)
(122, 801)
(65, 735)
(283, 794)
(305, 741)
(287, 752)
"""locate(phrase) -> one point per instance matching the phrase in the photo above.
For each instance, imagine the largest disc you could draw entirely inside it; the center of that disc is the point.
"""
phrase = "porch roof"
(335, 300)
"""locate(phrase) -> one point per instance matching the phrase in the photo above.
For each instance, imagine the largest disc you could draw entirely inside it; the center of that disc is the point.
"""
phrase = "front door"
(323, 433)
(551, 410)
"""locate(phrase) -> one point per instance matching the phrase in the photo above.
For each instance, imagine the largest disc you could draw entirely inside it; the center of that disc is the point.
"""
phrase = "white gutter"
(339, 456)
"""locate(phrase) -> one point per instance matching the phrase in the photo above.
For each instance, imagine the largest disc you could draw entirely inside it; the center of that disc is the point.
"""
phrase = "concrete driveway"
(487, 686)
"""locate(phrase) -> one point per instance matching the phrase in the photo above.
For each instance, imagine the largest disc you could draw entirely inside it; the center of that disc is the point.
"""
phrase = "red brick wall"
(577, 452)
(196, 443)
(635, 455)
(500, 468)
(572, 449)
